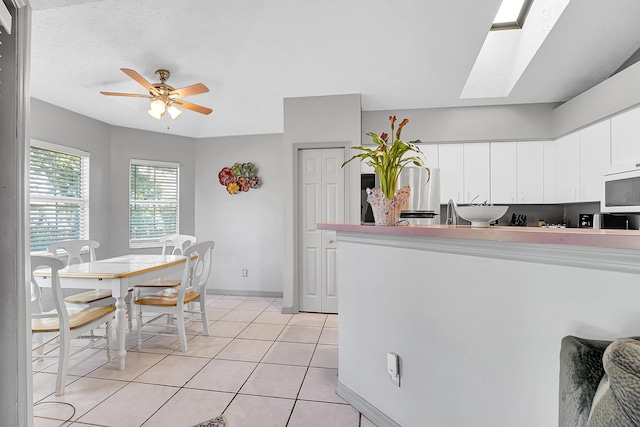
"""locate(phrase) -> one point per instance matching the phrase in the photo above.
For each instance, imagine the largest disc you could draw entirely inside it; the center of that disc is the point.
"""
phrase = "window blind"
(59, 197)
(153, 202)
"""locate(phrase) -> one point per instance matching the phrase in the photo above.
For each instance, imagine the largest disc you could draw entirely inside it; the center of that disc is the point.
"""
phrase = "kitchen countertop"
(613, 239)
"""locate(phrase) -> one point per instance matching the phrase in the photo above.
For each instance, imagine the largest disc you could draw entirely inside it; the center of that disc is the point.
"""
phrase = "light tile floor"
(258, 367)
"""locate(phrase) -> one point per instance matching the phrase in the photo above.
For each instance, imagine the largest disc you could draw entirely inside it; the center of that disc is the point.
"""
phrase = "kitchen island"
(476, 317)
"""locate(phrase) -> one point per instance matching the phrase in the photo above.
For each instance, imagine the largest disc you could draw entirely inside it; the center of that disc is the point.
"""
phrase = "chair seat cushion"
(167, 298)
(77, 317)
(163, 282)
(618, 406)
(88, 297)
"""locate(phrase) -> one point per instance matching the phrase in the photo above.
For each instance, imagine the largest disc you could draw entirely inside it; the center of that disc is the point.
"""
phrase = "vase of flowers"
(387, 160)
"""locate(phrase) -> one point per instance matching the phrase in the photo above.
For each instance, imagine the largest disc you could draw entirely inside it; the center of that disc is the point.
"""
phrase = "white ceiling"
(399, 54)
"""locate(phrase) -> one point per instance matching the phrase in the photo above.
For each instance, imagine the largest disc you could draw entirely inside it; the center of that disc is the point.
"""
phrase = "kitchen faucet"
(452, 215)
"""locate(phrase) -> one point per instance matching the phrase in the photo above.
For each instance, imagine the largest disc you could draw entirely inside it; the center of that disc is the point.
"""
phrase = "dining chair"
(176, 302)
(177, 242)
(72, 249)
(65, 323)
(172, 244)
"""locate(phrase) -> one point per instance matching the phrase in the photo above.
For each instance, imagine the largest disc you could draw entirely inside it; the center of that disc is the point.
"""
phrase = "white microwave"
(621, 189)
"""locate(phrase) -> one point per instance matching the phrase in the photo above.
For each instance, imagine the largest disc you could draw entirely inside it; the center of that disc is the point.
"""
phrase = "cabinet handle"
(522, 195)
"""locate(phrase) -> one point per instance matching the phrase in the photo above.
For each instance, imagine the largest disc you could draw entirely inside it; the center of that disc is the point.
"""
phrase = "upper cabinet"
(517, 170)
(431, 153)
(464, 172)
(530, 170)
(451, 161)
(580, 159)
(503, 172)
(549, 171)
(595, 154)
(625, 137)
(477, 176)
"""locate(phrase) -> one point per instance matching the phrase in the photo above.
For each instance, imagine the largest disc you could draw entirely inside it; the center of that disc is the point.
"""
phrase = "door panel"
(321, 200)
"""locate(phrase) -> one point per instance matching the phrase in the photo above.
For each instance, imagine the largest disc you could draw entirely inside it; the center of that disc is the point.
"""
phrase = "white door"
(321, 198)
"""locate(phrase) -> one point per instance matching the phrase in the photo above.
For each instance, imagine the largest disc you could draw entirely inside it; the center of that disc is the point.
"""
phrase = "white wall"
(478, 336)
(315, 122)
(50, 123)
(247, 227)
(619, 92)
(484, 123)
(127, 144)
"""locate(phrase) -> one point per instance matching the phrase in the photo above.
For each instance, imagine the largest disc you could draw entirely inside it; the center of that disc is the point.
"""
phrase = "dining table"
(118, 274)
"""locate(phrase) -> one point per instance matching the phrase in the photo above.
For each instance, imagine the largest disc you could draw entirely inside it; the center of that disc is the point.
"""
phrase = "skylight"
(511, 14)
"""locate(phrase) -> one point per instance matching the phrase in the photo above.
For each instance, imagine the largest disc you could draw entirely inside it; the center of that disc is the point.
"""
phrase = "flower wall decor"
(240, 177)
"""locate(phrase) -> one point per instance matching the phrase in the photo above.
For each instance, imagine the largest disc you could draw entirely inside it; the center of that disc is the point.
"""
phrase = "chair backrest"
(73, 249)
(178, 243)
(198, 266)
(39, 262)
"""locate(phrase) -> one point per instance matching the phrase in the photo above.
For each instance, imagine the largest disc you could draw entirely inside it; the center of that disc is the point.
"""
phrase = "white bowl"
(481, 215)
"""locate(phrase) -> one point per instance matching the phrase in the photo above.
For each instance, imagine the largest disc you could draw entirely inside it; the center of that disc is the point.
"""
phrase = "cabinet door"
(530, 167)
(595, 149)
(568, 168)
(431, 153)
(503, 172)
(477, 176)
(450, 160)
(549, 171)
(625, 129)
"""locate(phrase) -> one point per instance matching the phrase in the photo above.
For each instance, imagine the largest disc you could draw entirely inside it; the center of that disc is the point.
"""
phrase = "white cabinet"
(431, 153)
(549, 171)
(477, 176)
(568, 168)
(530, 169)
(581, 156)
(595, 154)
(464, 172)
(517, 172)
(503, 172)
(625, 137)
(451, 162)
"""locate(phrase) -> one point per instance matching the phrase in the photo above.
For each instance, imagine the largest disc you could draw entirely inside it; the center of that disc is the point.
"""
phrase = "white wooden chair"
(72, 249)
(176, 302)
(65, 323)
(172, 244)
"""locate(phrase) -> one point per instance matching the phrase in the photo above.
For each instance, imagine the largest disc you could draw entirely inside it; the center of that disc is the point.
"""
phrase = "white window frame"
(83, 201)
(153, 242)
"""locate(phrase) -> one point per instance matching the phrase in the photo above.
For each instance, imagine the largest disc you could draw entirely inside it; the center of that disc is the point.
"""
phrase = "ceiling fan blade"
(141, 80)
(133, 95)
(193, 107)
(189, 90)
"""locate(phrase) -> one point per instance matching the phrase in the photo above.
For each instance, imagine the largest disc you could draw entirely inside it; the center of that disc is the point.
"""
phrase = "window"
(59, 194)
(153, 202)
(511, 14)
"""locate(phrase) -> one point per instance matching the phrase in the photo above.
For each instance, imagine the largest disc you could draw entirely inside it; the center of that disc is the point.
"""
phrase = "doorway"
(321, 198)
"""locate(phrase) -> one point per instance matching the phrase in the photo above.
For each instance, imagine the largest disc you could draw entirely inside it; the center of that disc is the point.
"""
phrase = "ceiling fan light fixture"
(155, 114)
(174, 112)
(158, 106)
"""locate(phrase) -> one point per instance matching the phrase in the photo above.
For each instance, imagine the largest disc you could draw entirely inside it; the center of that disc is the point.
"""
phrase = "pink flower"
(226, 176)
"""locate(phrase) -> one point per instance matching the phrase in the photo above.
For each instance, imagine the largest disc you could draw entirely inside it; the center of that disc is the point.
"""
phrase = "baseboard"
(236, 292)
(364, 407)
(288, 310)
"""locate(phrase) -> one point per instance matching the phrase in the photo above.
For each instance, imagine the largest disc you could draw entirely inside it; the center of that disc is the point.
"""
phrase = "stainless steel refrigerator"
(423, 206)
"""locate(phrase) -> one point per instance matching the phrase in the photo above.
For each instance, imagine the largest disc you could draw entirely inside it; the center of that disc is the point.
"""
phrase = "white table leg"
(121, 332)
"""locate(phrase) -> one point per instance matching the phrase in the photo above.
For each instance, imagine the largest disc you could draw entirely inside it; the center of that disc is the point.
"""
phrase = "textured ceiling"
(398, 54)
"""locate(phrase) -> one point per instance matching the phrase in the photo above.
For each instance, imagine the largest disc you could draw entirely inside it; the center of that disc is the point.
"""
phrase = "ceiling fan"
(165, 98)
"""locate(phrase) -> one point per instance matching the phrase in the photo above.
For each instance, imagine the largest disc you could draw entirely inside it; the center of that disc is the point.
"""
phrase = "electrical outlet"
(245, 273)
(393, 368)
